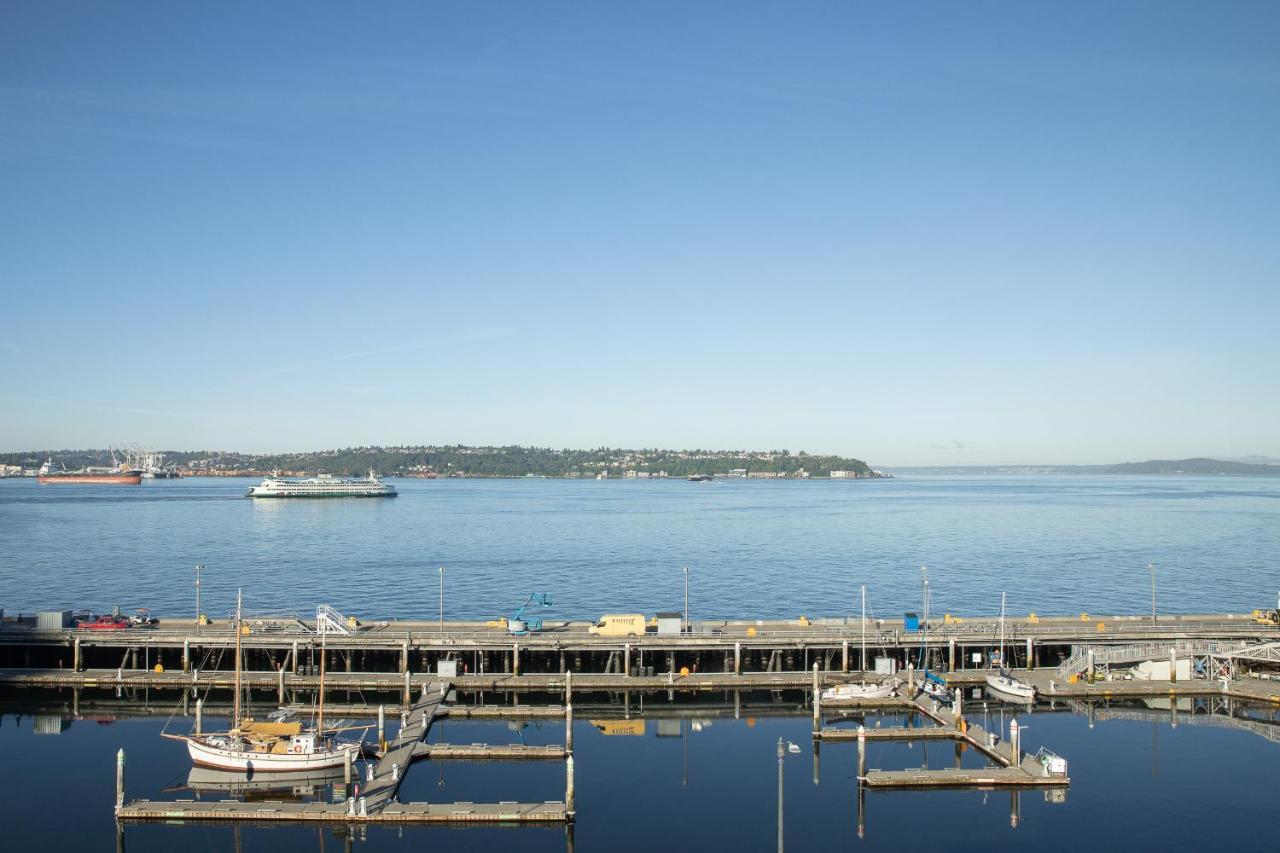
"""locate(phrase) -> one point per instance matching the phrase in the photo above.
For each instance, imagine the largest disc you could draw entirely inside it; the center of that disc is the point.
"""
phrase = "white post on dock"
(568, 687)
(817, 700)
(626, 660)
(569, 807)
(515, 658)
(951, 654)
(568, 727)
(346, 768)
(910, 680)
(1173, 665)
(1090, 668)
(957, 703)
(404, 655)
(407, 686)
(862, 752)
(844, 656)
(293, 657)
(119, 780)
(75, 661)
(1015, 733)
(280, 685)
(186, 654)
(382, 727)
(1030, 651)
(737, 657)
(199, 717)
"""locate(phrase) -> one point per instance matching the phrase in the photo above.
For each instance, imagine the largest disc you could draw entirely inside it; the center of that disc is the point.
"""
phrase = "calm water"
(1060, 544)
(708, 784)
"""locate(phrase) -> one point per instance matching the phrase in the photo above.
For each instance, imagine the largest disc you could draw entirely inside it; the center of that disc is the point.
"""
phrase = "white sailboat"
(862, 690)
(1002, 682)
(261, 747)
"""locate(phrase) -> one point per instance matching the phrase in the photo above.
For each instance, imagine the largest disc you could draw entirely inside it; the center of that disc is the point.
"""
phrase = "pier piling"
(568, 727)
(199, 717)
(569, 804)
(119, 780)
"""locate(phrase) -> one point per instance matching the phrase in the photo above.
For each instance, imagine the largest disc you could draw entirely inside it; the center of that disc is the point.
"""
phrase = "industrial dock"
(423, 671)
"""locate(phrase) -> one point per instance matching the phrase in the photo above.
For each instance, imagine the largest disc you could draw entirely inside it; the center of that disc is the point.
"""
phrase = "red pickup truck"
(103, 623)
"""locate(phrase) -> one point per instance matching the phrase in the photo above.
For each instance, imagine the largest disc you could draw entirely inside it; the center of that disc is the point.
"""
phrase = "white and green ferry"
(323, 486)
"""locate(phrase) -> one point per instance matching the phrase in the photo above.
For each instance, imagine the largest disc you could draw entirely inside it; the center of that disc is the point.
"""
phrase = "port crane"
(518, 625)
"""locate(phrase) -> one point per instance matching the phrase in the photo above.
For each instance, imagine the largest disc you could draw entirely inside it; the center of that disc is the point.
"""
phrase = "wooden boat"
(269, 747)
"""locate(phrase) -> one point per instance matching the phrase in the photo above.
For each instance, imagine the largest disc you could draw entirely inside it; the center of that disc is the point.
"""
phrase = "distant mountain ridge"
(1196, 465)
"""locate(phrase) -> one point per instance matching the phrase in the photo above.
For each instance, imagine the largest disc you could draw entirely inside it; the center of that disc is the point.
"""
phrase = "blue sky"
(913, 233)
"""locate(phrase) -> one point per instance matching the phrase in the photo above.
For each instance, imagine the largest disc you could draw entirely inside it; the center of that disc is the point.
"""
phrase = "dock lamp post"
(1151, 567)
(783, 747)
(442, 599)
(199, 568)
(685, 569)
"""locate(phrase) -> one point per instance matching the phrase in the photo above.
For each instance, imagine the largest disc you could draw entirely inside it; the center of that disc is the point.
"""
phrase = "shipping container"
(53, 620)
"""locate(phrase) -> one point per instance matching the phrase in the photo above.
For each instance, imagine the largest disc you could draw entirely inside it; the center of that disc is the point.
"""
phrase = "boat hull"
(860, 691)
(220, 758)
(255, 494)
(1010, 688)
(96, 479)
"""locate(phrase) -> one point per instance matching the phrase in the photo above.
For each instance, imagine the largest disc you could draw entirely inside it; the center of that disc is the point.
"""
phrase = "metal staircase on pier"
(1106, 656)
(330, 621)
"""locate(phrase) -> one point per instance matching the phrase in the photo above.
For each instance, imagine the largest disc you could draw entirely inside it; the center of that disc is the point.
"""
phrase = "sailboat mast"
(1002, 598)
(320, 713)
(924, 628)
(235, 713)
(862, 655)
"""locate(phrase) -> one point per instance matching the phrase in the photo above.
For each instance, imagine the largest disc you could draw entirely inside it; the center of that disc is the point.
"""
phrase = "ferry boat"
(323, 486)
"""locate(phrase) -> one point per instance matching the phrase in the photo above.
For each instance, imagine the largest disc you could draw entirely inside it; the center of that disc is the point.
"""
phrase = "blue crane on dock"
(520, 626)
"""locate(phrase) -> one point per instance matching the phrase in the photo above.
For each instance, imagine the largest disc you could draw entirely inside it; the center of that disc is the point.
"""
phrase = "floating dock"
(377, 801)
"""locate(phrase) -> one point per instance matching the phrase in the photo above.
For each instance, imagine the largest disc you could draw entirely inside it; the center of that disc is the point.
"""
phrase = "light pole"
(1151, 567)
(442, 599)
(780, 754)
(199, 568)
(782, 751)
(685, 569)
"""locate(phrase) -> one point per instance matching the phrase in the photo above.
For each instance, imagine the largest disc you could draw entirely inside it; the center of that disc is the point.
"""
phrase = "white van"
(619, 625)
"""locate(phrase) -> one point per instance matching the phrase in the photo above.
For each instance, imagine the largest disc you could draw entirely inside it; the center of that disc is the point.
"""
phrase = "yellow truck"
(619, 625)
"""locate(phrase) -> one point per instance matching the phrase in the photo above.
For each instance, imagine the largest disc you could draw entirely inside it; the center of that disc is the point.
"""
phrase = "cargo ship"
(322, 486)
(51, 472)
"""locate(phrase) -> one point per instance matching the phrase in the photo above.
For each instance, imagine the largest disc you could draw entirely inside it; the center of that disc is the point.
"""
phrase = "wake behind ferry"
(322, 486)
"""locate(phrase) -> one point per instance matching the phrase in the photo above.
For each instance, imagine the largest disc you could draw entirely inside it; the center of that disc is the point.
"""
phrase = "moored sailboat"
(1002, 682)
(269, 746)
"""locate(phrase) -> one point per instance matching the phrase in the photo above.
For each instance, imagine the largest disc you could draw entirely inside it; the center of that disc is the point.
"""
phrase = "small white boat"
(935, 690)
(861, 690)
(1005, 684)
(1002, 682)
